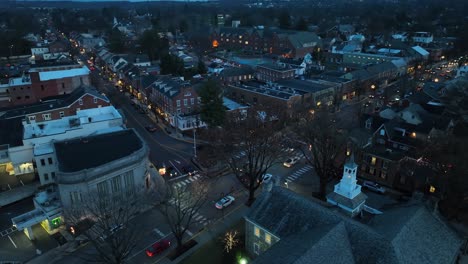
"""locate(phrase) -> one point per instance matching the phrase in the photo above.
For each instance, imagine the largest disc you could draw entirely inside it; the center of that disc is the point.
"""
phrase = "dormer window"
(382, 132)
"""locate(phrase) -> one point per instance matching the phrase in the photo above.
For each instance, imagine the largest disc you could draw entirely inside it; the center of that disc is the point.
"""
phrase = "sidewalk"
(18, 193)
(212, 232)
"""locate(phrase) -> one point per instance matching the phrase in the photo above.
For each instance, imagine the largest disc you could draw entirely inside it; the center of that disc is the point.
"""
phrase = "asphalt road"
(164, 150)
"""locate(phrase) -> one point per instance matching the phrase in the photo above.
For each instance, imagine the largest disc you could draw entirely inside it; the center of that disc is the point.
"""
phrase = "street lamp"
(372, 87)
(286, 183)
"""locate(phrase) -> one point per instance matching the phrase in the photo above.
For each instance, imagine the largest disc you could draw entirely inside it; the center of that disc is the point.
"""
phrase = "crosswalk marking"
(191, 179)
(198, 217)
(189, 233)
(187, 181)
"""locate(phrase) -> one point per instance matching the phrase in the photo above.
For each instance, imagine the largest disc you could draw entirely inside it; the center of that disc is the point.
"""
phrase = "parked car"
(225, 202)
(151, 128)
(158, 247)
(374, 187)
(290, 162)
(266, 177)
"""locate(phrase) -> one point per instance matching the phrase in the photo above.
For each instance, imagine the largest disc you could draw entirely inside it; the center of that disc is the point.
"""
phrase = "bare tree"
(106, 223)
(321, 145)
(250, 143)
(180, 207)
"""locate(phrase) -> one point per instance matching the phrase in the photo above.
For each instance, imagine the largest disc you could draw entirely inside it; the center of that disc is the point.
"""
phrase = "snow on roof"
(420, 50)
(51, 75)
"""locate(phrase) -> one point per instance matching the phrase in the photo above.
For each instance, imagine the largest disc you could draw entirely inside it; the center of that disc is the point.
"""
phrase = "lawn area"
(213, 251)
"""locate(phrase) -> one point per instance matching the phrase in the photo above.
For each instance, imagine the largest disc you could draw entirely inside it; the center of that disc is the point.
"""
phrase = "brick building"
(269, 72)
(287, 43)
(176, 100)
(42, 82)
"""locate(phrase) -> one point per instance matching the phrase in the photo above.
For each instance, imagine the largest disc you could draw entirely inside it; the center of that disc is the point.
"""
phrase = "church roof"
(309, 232)
(350, 203)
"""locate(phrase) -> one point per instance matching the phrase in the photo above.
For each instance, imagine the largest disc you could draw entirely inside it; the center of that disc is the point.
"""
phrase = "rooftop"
(308, 230)
(51, 103)
(52, 75)
(93, 151)
(60, 126)
(275, 67)
(309, 86)
(273, 90)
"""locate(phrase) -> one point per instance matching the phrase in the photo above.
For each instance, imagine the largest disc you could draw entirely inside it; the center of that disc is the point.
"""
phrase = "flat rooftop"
(275, 67)
(93, 151)
(308, 86)
(60, 126)
(275, 91)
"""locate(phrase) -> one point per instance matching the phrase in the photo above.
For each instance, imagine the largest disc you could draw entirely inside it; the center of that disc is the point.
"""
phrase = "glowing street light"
(242, 261)
(286, 183)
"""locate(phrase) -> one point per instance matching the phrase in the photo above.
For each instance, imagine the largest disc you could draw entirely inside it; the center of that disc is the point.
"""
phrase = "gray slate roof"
(416, 237)
(350, 203)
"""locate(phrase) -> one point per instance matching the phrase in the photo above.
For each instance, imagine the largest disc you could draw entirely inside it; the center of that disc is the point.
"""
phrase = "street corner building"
(283, 227)
(106, 164)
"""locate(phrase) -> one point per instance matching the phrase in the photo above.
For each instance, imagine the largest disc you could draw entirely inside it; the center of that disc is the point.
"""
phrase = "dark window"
(42, 162)
(46, 176)
(42, 87)
(50, 160)
(29, 87)
(22, 88)
(19, 97)
(63, 85)
(14, 89)
(52, 174)
(26, 97)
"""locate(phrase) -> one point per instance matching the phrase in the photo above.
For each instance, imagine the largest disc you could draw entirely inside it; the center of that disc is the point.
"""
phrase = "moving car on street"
(290, 162)
(225, 202)
(158, 247)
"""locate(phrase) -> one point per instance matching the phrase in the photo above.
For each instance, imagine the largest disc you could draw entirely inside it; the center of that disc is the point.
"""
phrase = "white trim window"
(257, 231)
(62, 114)
(80, 101)
(46, 117)
(256, 248)
(32, 118)
(178, 103)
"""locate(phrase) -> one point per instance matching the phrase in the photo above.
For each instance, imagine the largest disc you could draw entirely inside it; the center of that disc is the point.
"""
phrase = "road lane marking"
(192, 179)
(12, 242)
(158, 232)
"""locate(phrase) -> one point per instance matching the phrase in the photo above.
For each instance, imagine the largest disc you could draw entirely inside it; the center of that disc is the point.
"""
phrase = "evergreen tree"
(201, 66)
(284, 20)
(212, 109)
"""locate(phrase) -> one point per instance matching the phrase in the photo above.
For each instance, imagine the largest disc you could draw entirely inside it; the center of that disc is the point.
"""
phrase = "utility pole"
(194, 144)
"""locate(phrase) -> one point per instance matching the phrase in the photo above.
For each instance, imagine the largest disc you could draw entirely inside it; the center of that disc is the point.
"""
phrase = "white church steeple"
(347, 194)
(348, 186)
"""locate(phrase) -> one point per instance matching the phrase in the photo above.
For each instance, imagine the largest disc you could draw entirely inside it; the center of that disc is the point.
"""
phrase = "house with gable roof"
(284, 227)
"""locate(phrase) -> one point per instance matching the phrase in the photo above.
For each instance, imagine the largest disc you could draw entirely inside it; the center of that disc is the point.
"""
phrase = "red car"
(158, 247)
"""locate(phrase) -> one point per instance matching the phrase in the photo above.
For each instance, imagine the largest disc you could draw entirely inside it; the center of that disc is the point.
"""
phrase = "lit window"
(371, 170)
(319, 103)
(257, 231)
(246, 43)
(432, 189)
(268, 238)
(373, 160)
(413, 135)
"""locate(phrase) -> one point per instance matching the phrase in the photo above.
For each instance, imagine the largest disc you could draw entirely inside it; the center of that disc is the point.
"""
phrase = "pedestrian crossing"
(297, 174)
(189, 180)
(197, 217)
